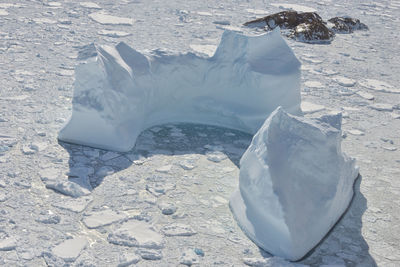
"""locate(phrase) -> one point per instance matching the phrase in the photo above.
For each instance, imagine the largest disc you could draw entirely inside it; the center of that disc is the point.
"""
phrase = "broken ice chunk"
(294, 184)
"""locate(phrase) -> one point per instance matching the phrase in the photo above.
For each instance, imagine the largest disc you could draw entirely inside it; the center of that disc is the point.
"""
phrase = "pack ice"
(119, 91)
(294, 183)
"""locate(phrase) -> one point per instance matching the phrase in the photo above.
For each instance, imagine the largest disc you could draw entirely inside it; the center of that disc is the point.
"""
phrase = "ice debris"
(70, 249)
(294, 183)
(136, 234)
(120, 92)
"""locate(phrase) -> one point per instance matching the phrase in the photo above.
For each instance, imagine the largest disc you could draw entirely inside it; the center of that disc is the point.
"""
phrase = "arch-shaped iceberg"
(120, 92)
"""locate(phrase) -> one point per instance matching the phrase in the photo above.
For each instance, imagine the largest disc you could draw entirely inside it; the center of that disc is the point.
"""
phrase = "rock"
(285, 20)
(70, 249)
(178, 229)
(295, 183)
(97, 219)
(346, 25)
(136, 234)
(313, 32)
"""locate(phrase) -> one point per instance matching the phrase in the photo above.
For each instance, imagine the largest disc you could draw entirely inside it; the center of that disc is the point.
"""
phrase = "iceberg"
(294, 183)
(119, 92)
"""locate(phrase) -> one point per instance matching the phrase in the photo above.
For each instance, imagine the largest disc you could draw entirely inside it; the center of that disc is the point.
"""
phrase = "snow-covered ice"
(296, 7)
(136, 234)
(295, 183)
(380, 86)
(106, 19)
(104, 217)
(121, 92)
(70, 249)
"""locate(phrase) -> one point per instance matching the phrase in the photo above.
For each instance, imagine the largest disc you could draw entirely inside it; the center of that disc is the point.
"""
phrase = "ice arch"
(119, 92)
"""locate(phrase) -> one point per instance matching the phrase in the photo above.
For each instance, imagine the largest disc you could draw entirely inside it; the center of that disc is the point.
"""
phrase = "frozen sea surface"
(39, 44)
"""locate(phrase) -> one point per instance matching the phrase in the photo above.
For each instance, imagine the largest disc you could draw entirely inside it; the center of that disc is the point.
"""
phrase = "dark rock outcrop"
(307, 27)
(312, 33)
(304, 26)
(346, 25)
(285, 20)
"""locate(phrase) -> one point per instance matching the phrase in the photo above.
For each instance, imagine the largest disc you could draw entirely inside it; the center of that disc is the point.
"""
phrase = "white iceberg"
(295, 183)
(120, 92)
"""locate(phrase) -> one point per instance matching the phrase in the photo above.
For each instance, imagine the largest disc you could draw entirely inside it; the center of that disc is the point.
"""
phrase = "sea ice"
(70, 249)
(380, 86)
(295, 7)
(136, 234)
(106, 19)
(294, 183)
(119, 92)
(97, 219)
(114, 34)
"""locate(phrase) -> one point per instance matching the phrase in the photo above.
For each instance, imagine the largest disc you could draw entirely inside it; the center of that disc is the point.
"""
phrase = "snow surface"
(121, 92)
(295, 183)
(35, 101)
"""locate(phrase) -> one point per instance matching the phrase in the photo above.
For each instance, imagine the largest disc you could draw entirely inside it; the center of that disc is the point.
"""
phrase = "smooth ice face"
(294, 183)
(120, 92)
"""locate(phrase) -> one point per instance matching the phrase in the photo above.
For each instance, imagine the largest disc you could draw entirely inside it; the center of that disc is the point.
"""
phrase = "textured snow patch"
(67, 188)
(344, 81)
(136, 234)
(178, 229)
(208, 50)
(245, 80)
(380, 86)
(3, 12)
(7, 244)
(294, 183)
(102, 218)
(382, 107)
(114, 34)
(74, 205)
(313, 84)
(106, 19)
(308, 107)
(90, 5)
(70, 249)
(295, 7)
(366, 95)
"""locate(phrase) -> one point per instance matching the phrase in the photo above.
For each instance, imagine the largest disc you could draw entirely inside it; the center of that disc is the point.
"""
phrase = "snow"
(3, 12)
(136, 234)
(294, 183)
(344, 81)
(379, 86)
(243, 82)
(8, 244)
(90, 5)
(101, 218)
(70, 249)
(114, 34)
(178, 229)
(106, 19)
(295, 7)
(308, 107)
